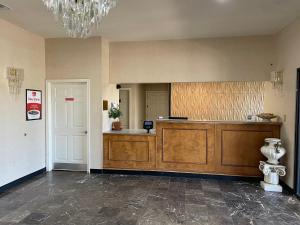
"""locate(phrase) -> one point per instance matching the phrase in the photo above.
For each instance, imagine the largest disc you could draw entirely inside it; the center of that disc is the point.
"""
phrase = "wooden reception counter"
(208, 147)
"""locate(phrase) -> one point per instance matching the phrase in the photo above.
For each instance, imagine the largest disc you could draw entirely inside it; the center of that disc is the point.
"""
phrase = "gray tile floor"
(76, 198)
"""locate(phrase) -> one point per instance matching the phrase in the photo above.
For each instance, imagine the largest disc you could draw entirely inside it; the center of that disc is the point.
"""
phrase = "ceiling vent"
(3, 7)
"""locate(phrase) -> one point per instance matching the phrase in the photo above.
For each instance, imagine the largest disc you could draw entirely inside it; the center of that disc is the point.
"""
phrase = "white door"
(69, 126)
(124, 107)
(157, 104)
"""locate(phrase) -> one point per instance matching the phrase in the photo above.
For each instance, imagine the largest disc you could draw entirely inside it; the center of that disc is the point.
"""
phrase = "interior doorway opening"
(143, 101)
(68, 125)
(157, 105)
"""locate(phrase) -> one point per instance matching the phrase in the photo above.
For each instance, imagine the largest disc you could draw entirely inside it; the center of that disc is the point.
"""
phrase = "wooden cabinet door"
(238, 147)
(185, 147)
(136, 152)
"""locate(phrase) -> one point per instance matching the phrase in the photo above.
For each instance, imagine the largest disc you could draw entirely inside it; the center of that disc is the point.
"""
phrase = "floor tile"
(69, 198)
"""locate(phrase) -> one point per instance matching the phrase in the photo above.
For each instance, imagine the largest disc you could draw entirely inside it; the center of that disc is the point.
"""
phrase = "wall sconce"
(15, 79)
(277, 78)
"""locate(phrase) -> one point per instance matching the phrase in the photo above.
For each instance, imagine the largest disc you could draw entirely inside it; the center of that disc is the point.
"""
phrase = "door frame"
(129, 104)
(147, 92)
(297, 139)
(49, 147)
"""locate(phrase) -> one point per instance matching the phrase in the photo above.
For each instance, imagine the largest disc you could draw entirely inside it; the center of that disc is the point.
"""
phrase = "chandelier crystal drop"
(80, 16)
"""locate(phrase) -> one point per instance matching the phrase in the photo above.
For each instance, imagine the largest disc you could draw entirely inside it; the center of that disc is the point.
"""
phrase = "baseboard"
(287, 188)
(174, 174)
(97, 171)
(21, 180)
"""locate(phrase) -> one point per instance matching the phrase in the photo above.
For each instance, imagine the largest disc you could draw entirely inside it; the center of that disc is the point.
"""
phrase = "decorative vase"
(266, 117)
(116, 125)
(273, 150)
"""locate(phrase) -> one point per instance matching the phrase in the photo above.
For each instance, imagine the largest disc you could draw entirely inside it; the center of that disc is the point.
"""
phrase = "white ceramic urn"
(273, 150)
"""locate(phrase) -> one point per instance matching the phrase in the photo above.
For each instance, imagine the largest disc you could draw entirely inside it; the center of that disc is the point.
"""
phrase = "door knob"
(85, 132)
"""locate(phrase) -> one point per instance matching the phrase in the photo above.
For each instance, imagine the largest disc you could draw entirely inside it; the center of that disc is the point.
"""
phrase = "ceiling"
(134, 20)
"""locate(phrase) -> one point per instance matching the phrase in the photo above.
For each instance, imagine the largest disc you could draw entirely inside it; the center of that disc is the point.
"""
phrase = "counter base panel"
(199, 148)
(129, 151)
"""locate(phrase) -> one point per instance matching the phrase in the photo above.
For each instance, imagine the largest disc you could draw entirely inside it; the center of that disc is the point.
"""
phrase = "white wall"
(198, 60)
(68, 58)
(283, 102)
(109, 91)
(20, 155)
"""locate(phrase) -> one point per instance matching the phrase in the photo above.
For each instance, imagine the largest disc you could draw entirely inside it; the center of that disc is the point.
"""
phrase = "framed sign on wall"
(33, 104)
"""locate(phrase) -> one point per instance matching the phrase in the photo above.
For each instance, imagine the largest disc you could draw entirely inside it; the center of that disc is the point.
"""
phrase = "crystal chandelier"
(80, 16)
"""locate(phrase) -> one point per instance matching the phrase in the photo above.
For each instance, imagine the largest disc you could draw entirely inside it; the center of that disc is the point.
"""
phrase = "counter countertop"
(218, 122)
(131, 132)
(153, 132)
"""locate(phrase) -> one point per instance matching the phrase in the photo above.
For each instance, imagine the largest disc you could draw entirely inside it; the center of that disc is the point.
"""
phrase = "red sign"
(33, 105)
(69, 99)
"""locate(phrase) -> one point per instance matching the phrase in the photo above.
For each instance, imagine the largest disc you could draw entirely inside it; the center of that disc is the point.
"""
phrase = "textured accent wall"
(217, 100)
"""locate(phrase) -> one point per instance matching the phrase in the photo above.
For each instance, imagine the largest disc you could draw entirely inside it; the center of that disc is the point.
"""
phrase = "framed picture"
(33, 104)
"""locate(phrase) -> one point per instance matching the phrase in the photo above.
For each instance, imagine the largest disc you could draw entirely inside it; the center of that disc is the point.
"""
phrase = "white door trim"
(49, 147)
(129, 106)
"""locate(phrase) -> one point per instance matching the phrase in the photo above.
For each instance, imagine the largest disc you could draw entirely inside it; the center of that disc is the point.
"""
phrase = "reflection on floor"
(77, 198)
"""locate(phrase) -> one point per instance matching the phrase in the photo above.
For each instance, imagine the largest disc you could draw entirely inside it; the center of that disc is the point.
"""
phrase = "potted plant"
(115, 113)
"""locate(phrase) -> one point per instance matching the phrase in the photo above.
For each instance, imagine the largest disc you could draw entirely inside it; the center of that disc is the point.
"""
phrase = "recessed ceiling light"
(4, 7)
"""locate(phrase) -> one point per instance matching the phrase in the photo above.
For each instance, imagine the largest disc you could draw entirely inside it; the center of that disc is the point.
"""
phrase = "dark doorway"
(297, 138)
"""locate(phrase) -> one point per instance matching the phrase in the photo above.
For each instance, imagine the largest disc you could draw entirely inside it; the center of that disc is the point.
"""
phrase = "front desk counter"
(182, 146)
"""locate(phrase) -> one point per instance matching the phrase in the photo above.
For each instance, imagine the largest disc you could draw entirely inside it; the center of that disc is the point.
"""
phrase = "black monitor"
(148, 125)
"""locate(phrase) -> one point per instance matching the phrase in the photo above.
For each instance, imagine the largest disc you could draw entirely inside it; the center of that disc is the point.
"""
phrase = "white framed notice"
(33, 104)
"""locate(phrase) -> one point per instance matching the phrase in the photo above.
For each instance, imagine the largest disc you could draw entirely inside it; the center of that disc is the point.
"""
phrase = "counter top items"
(131, 132)
(240, 122)
(172, 118)
(271, 169)
(177, 118)
(266, 116)
(115, 113)
(148, 125)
